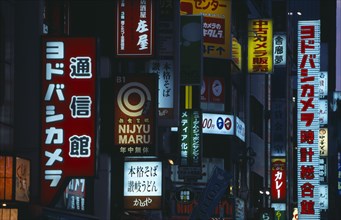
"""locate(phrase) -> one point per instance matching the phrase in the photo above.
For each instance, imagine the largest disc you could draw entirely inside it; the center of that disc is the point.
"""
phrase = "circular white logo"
(217, 87)
(129, 90)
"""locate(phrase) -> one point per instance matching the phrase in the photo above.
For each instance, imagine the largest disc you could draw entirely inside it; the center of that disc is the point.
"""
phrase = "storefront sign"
(75, 195)
(278, 180)
(165, 70)
(280, 49)
(240, 129)
(216, 25)
(68, 112)
(212, 95)
(323, 171)
(190, 138)
(324, 196)
(278, 128)
(217, 124)
(237, 53)
(308, 72)
(323, 88)
(134, 117)
(142, 185)
(134, 28)
(260, 46)
(323, 142)
(323, 112)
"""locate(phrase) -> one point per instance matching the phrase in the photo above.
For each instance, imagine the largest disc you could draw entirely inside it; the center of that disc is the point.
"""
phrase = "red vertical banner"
(134, 28)
(68, 112)
(135, 114)
(278, 180)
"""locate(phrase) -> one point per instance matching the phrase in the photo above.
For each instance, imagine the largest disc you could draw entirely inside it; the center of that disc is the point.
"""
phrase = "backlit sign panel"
(323, 141)
(323, 88)
(217, 124)
(134, 117)
(68, 112)
(240, 129)
(278, 180)
(280, 49)
(134, 28)
(216, 25)
(142, 184)
(237, 53)
(308, 155)
(260, 46)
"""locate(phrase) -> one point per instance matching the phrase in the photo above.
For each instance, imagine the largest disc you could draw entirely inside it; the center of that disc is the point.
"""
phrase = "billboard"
(142, 186)
(134, 28)
(216, 25)
(308, 75)
(68, 113)
(260, 46)
(134, 114)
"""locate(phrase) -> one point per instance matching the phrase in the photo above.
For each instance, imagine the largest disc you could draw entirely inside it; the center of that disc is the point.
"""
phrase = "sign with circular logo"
(220, 122)
(228, 123)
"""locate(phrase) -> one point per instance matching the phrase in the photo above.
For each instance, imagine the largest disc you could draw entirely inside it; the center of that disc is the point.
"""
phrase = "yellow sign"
(260, 46)
(237, 53)
(216, 25)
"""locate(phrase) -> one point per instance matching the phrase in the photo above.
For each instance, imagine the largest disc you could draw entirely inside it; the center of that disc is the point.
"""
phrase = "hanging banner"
(68, 112)
(308, 155)
(260, 46)
(216, 25)
(134, 28)
(135, 99)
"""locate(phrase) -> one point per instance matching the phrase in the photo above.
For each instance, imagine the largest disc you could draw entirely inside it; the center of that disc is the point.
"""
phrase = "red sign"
(213, 90)
(278, 180)
(68, 112)
(135, 111)
(134, 28)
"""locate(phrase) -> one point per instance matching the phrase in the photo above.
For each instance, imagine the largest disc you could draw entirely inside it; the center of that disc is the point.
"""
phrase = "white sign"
(240, 129)
(217, 124)
(279, 49)
(323, 112)
(142, 178)
(323, 88)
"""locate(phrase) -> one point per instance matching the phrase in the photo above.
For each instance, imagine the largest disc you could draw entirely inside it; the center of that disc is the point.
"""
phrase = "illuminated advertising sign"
(190, 138)
(68, 112)
(324, 196)
(216, 25)
(212, 95)
(278, 128)
(134, 117)
(75, 195)
(323, 88)
(278, 180)
(280, 49)
(237, 53)
(165, 70)
(240, 129)
(217, 124)
(323, 142)
(323, 171)
(260, 46)
(323, 112)
(280, 210)
(134, 28)
(308, 74)
(142, 184)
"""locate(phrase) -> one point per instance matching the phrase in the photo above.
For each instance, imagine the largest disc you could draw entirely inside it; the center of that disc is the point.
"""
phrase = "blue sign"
(220, 123)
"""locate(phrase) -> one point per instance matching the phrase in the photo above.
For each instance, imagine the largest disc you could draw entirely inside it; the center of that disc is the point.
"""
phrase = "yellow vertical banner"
(260, 46)
(216, 25)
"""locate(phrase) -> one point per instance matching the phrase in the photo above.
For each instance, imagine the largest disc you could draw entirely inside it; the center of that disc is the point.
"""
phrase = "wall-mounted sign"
(190, 138)
(323, 171)
(323, 112)
(134, 116)
(75, 195)
(324, 196)
(217, 124)
(278, 128)
(323, 88)
(22, 179)
(308, 76)
(165, 70)
(240, 129)
(260, 46)
(213, 94)
(280, 210)
(134, 28)
(68, 112)
(280, 49)
(323, 142)
(216, 25)
(237, 53)
(278, 180)
(142, 184)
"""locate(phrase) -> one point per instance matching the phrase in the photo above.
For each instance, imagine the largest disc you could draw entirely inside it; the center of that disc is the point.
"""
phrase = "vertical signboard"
(308, 74)
(165, 70)
(68, 112)
(278, 180)
(216, 25)
(278, 128)
(142, 185)
(190, 50)
(134, 117)
(237, 53)
(75, 195)
(260, 46)
(134, 28)
(22, 176)
(190, 138)
(280, 49)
